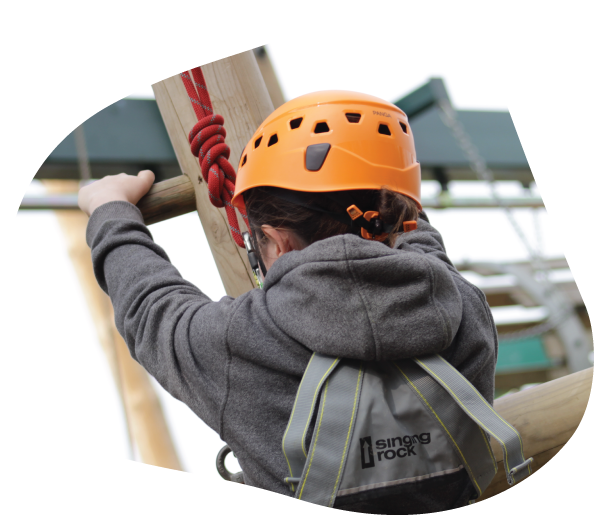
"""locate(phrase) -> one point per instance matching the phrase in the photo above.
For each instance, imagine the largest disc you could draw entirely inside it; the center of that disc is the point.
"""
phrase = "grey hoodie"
(237, 363)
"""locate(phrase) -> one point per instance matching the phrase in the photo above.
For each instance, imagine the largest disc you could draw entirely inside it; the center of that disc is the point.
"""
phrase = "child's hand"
(120, 187)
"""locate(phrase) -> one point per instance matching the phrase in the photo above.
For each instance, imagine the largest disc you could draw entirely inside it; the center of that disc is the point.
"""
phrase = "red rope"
(207, 142)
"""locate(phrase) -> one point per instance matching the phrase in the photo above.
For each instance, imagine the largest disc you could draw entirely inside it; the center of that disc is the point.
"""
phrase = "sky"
(53, 332)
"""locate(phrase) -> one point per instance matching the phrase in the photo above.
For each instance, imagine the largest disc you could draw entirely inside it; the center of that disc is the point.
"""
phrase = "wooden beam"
(144, 416)
(238, 93)
(546, 416)
(168, 199)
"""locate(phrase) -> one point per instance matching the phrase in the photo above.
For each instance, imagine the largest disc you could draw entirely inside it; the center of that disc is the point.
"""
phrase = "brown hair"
(311, 225)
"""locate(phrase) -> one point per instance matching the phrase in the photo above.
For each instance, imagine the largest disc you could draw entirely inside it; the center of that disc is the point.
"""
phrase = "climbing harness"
(379, 426)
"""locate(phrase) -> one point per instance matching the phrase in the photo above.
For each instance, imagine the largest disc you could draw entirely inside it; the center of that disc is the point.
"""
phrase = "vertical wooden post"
(268, 73)
(239, 94)
(145, 418)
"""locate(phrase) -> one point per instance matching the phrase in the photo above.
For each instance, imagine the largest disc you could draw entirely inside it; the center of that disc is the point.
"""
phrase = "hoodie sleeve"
(158, 313)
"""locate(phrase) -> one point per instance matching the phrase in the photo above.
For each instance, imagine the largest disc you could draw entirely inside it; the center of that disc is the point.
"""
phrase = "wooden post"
(268, 73)
(239, 94)
(546, 416)
(144, 416)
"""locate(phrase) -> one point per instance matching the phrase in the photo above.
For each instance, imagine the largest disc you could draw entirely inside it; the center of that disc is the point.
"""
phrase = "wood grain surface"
(238, 93)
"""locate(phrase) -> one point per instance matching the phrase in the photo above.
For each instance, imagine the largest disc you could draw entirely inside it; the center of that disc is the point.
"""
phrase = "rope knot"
(207, 143)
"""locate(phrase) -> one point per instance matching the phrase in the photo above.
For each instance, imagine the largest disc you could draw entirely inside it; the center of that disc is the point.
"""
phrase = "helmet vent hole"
(384, 129)
(257, 142)
(321, 128)
(353, 117)
(272, 140)
(404, 127)
(295, 123)
(244, 160)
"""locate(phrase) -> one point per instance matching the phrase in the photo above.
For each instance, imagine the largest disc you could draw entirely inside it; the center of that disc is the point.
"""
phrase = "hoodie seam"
(362, 299)
(439, 309)
(228, 365)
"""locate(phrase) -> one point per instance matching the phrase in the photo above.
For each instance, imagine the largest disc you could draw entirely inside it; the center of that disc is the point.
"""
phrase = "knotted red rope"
(207, 142)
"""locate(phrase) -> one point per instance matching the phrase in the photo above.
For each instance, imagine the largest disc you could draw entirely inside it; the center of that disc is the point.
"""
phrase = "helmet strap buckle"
(374, 225)
(376, 232)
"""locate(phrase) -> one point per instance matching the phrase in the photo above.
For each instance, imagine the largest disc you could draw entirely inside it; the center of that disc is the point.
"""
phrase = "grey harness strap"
(482, 413)
(294, 440)
(474, 451)
(316, 473)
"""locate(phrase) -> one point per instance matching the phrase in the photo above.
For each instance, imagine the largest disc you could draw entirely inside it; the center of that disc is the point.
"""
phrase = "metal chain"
(484, 173)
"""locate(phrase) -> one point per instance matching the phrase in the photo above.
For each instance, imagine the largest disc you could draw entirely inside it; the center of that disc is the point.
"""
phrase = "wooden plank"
(544, 433)
(239, 94)
(144, 415)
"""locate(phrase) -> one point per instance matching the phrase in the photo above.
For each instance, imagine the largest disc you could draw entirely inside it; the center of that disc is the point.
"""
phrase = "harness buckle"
(517, 469)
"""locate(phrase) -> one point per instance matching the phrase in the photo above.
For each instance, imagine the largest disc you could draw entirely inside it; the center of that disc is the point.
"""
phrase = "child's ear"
(280, 240)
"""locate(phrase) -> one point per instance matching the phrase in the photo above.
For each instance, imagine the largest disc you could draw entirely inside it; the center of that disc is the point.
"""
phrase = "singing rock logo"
(390, 448)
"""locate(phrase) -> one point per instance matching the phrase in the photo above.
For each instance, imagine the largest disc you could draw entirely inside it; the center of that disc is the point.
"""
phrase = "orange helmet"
(331, 141)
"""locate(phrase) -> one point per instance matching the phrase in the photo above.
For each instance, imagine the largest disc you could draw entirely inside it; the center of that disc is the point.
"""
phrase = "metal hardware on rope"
(207, 143)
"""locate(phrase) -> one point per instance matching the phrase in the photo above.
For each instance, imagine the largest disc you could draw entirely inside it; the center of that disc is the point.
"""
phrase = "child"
(327, 200)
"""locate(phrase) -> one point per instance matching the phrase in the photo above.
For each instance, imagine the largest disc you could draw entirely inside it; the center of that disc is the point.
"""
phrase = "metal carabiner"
(237, 477)
(255, 263)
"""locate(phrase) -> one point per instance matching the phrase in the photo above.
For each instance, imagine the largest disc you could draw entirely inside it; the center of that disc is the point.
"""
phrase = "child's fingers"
(147, 176)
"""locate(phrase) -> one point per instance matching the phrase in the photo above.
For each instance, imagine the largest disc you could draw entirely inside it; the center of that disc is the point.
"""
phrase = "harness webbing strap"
(481, 412)
(474, 451)
(334, 425)
(294, 440)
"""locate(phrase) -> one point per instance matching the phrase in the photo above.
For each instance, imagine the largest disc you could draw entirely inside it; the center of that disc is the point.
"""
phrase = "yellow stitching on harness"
(290, 421)
(489, 448)
(442, 424)
(347, 436)
(491, 408)
(312, 405)
(316, 439)
(473, 416)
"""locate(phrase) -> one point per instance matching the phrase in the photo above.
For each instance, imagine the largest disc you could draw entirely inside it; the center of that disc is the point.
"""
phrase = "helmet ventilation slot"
(257, 142)
(321, 128)
(244, 160)
(384, 129)
(295, 123)
(404, 127)
(272, 140)
(352, 117)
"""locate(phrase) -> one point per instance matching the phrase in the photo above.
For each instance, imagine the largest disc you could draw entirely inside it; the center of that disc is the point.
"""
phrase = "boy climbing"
(352, 269)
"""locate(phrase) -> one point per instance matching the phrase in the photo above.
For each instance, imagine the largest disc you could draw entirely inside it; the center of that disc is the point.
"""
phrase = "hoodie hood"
(349, 297)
